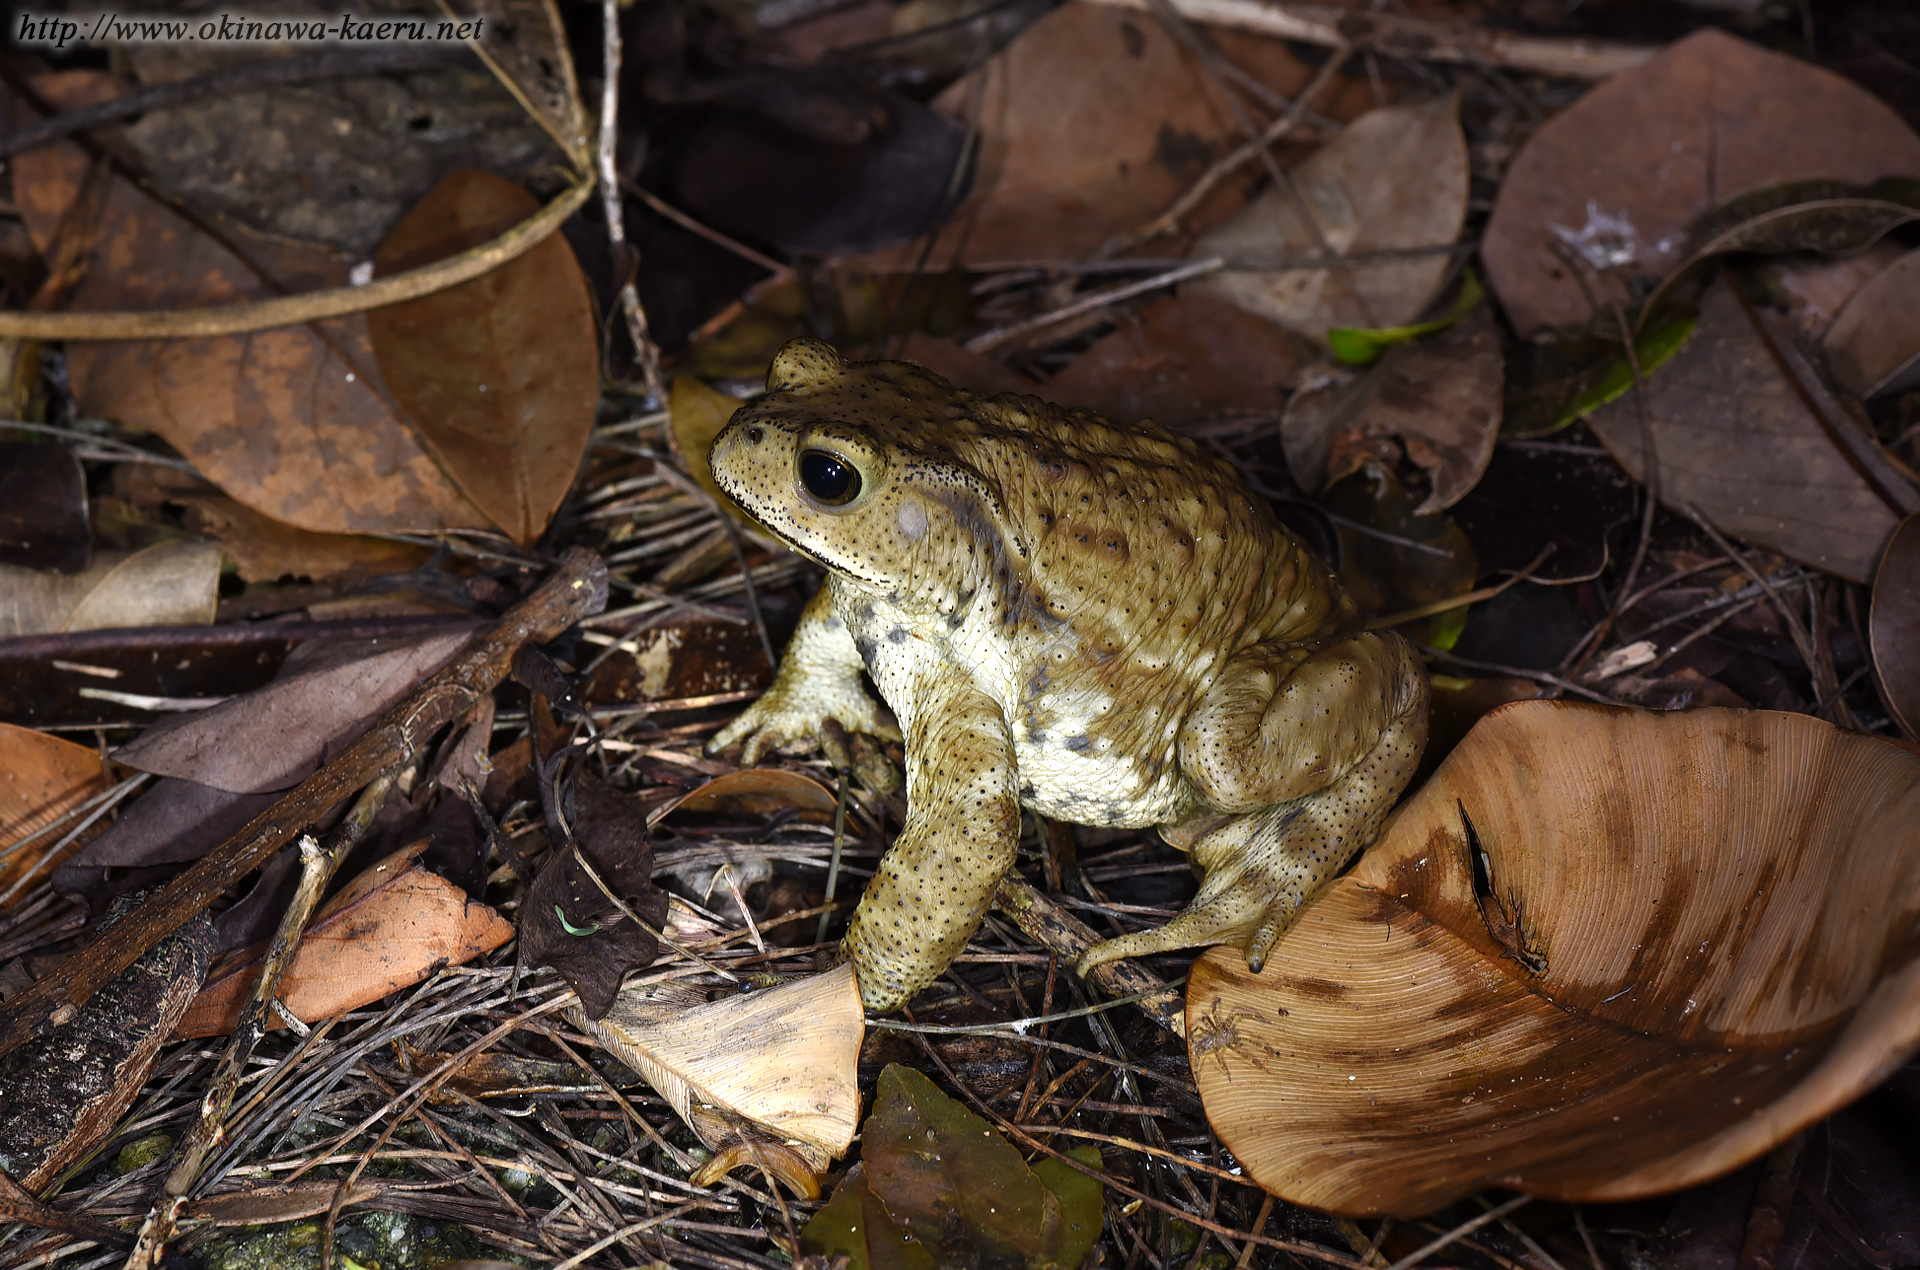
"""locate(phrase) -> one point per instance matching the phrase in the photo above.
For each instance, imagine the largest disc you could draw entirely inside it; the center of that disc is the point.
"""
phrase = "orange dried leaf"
(41, 779)
(390, 928)
(1602, 954)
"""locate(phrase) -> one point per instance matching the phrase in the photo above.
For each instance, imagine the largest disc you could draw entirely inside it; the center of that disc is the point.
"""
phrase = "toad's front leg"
(819, 679)
(935, 883)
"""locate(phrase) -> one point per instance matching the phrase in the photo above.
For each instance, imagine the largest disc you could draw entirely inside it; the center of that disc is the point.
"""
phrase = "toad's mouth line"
(793, 543)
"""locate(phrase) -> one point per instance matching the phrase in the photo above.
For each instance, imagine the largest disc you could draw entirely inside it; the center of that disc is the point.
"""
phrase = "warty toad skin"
(1094, 621)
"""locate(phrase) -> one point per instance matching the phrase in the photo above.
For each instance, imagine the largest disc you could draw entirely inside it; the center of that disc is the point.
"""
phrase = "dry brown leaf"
(1894, 625)
(1437, 398)
(1395, 180)
(500, 374)
(1091, 123)
(1739, 444)
(779, 1060)
(1603, 953)
(324, 697)
(167, 584)
(1873, 346)
(955, 363)
(293, 422)
(391, 927)
(41, 779)
(1618, 178)
(528, 42)
(697, 412)
(1182, 361)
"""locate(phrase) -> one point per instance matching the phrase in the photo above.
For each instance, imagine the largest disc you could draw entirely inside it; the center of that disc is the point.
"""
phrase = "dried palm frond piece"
(1601, 954)
(763, 1077)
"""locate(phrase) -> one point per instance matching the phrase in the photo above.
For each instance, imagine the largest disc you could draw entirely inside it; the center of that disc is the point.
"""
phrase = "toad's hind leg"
(935, 883)
(1320, 756)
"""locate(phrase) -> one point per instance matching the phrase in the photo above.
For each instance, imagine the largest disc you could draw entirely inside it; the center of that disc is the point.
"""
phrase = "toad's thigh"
(1284, 721)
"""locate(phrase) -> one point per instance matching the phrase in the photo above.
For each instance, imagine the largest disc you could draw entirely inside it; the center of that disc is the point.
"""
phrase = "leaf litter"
(1500, 531)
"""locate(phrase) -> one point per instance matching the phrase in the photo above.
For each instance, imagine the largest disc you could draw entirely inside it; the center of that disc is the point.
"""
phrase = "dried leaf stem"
(576, 588)
(1414, 38)
(309, 306)
(644, 349)
(1042, 920)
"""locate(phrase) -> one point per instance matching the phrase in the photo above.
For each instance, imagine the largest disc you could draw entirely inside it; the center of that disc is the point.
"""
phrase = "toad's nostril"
(755, 436)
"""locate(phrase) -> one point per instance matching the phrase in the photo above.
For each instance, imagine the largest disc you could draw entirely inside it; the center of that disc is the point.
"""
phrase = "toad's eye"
(828, 479)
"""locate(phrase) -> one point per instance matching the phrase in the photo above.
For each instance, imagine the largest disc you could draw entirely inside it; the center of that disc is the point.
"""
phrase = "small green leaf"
(1360, 345)
(570, 928)
(1654, 349)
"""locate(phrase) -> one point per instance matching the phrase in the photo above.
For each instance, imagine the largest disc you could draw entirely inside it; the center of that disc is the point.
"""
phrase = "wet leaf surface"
(1394, 181)
(1738, 443)
(500, 374)
(940, 1179)
(1725, 117)
(1631, 977)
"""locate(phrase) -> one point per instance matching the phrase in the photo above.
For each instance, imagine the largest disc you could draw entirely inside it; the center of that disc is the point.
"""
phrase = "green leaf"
(1360, 345)
(938, 1186)
(1654, 350)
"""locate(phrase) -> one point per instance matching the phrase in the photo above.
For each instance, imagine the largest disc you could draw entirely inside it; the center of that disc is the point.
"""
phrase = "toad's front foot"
(791, 718)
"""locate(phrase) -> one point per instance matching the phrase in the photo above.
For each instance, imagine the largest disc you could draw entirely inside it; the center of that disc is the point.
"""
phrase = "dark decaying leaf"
(326, 694)
(814, 160)
(1182, 361)
(1830, 217)
(1436, 399)
(1873, 346)
(568, 922)
(292, 421)
(1601, 954)
(500, 374)
(1393, 558)
(1740, 444)
(332, 161)
(937, 1186)
(1530, 499)
(43, 508)
(1616, 180)
(65, 1089)
(1894, 625)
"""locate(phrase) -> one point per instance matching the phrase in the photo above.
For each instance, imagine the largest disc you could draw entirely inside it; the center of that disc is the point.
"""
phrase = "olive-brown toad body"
(1095, 621)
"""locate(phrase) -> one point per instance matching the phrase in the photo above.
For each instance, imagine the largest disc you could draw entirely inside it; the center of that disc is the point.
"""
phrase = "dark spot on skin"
(1078, 743)
(898, 635)
(867, 648)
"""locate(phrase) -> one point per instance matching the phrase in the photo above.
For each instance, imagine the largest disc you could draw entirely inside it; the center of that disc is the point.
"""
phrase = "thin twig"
(645, 352)
(1099, 299)
(1459, 1232)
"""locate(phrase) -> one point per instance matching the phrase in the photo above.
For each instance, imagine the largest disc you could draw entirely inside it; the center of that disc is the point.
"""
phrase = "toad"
(1094, 621)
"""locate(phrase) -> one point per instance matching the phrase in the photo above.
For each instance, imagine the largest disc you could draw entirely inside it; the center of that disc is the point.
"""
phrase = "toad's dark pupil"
(827, 478)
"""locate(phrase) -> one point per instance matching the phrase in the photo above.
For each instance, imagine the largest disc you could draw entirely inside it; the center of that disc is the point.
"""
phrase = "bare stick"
(644, 350)
(1040, 919)
(309, 306)
(1414, 38)
(209, 1131)
(577, 587)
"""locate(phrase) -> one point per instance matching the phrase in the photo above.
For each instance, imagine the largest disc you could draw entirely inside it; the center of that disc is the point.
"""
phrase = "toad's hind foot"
(1258, 869)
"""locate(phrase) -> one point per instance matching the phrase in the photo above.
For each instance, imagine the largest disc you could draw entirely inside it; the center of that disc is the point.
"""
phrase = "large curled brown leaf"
(1620, 176)
(1601, 954)
(1894, 625)
(294, 422)
(501, 374)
